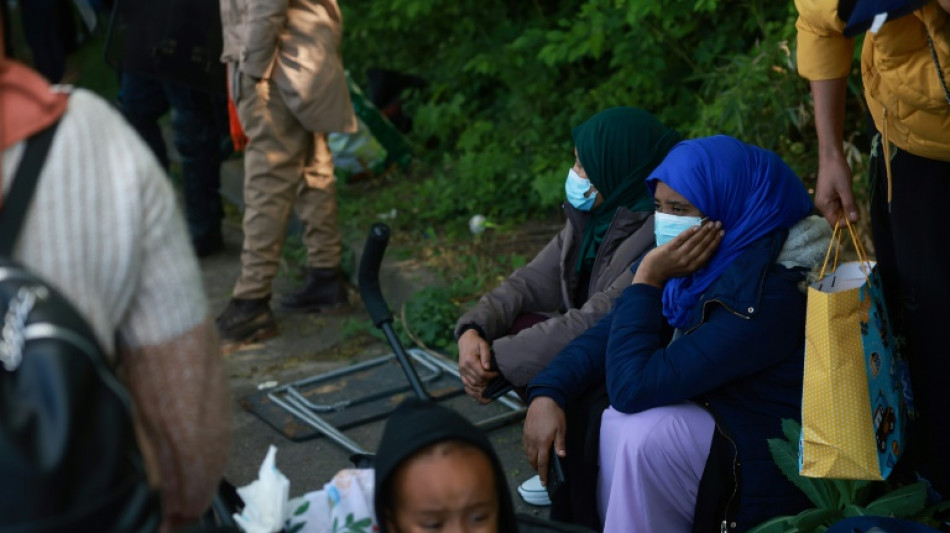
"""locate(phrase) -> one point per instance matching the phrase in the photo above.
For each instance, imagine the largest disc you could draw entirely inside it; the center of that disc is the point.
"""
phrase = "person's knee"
(658, 443)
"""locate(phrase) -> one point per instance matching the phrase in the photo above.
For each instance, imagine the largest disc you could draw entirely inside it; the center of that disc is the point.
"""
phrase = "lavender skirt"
(650, 466)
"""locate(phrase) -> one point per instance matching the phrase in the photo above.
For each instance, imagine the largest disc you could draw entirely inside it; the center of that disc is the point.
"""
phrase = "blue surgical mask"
(576, 187)
(666, 227)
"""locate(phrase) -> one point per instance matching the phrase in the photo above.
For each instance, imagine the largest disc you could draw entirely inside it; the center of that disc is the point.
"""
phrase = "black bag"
(69, 460)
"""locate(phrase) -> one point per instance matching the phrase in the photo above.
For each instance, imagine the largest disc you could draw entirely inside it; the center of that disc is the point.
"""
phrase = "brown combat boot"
(245, 321)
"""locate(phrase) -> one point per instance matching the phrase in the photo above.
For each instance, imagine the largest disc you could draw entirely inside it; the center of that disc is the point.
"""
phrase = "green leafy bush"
(836, 499)
(507, 80)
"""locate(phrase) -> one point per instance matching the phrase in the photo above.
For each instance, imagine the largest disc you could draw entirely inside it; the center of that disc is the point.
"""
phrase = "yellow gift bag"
(852, 412)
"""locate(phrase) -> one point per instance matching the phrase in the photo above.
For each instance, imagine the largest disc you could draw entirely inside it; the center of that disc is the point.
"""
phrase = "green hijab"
(618, 148)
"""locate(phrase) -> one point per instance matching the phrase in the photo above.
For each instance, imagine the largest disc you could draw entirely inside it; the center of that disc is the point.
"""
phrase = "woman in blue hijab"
(702, 355)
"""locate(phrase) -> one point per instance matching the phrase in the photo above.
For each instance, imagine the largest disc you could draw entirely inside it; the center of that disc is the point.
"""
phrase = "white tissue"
(265, 500)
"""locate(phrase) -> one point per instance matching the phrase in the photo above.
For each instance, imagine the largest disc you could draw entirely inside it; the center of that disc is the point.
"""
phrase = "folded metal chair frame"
(291, 398)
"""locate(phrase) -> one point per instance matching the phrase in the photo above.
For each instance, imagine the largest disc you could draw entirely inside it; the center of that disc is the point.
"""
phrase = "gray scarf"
(807, 244)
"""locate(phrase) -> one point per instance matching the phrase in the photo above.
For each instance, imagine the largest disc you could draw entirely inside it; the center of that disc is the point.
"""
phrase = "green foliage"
(352, 328)
(293, 256)
(760, 98)
(431, 315)
(506, 81)
(836, 499)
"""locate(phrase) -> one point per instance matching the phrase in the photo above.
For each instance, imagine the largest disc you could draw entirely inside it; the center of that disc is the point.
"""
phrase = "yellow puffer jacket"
(900, 77)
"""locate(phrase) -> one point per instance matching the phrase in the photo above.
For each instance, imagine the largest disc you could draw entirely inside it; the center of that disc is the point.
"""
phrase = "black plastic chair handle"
(370, 291)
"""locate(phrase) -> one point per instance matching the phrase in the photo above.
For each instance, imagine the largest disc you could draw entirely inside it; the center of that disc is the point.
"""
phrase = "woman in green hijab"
(517, 328)
(615, 151)
(514, 330)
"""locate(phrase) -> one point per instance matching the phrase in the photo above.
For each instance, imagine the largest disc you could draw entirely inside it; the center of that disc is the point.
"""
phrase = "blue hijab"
(747, 188)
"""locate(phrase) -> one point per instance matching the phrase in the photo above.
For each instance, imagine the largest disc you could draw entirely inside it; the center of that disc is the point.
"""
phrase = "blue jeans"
(197, 133)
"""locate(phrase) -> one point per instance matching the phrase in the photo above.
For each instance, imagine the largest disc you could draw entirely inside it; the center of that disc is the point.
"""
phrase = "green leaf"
(791, 429)
(927, 514)
(854, 510)
(863, 492)
(786, 457)
(848, 490)
(810, 519)
(903, 502)
(296, 527)
(596, 43)
(302, 509)
(780, 524)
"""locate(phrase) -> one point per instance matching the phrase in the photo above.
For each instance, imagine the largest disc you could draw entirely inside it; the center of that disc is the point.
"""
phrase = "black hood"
(416, 424)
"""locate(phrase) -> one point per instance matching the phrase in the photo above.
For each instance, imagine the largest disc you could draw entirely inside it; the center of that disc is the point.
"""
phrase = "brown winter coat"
(548, 284)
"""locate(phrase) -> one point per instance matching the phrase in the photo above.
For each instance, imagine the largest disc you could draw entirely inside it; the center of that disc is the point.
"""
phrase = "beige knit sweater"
(105, 230)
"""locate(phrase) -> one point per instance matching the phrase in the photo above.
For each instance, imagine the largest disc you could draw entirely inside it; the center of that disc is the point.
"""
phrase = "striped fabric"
(105, 230)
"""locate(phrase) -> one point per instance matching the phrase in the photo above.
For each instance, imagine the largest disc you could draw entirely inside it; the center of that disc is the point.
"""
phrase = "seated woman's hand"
(686, 253)
(544, 425)
(475, 364)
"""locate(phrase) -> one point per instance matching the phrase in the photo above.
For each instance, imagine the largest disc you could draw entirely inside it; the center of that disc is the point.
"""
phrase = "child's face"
(447, 488)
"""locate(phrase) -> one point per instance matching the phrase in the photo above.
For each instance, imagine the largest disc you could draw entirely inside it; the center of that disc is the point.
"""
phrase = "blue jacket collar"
(739, 288)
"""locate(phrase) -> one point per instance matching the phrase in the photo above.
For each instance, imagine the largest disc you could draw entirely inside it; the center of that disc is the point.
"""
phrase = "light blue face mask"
(666, 227)
(576, 187)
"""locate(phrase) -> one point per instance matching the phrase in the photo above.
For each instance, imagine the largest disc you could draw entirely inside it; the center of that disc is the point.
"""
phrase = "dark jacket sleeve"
(580, 364)
(641, 373)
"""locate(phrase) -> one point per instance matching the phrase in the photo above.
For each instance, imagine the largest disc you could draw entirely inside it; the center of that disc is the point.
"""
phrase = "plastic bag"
(265, 499)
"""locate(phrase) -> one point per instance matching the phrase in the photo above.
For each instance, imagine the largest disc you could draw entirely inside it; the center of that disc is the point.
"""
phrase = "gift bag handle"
(836, 244)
